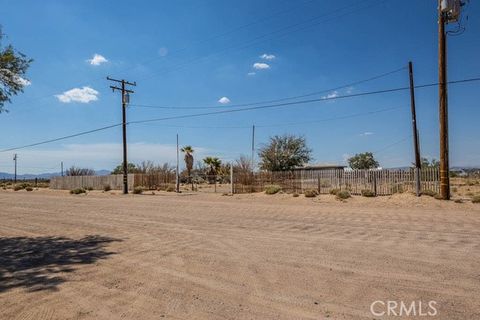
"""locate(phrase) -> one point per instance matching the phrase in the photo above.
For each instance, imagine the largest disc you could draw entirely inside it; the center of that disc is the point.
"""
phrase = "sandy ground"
(207, 256)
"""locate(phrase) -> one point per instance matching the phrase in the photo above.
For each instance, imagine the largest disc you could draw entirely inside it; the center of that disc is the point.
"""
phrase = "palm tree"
(188, 150)
(214, 165)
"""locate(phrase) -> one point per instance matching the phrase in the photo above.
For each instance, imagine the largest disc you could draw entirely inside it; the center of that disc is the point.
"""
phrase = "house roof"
(320, 166)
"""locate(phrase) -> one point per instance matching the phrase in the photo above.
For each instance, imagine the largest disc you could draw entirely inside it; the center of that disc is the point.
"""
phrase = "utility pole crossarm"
(123, 81)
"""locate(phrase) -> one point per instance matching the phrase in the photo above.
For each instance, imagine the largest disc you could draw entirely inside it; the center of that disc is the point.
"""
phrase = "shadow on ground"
(37, 263)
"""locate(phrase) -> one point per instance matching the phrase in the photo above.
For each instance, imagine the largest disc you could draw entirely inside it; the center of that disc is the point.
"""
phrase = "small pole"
(231, 178)
(15, 157)
(61, 168)
(416, 145)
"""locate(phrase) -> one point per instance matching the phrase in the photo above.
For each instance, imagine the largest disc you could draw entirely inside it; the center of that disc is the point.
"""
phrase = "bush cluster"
(107, 188)
(476, 199)
(78, 191)
(272, 189)
(334, 191)
(138, 190)
(368, 193)
(310, 193)
(342, 195)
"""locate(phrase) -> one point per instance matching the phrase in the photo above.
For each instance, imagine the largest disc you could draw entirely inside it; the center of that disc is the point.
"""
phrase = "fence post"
(319, 184)
(375, 183)
(417, 181)
(231, 179)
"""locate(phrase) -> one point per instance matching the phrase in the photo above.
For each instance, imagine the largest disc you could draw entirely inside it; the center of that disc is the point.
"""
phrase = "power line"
(280, 124)
(280, 99)
(240, 110)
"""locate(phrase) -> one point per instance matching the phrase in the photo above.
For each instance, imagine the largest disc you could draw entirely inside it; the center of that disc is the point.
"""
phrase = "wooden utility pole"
(125, 101)
(416, 145)
(443, 106)
(15, 157)
(61, 167)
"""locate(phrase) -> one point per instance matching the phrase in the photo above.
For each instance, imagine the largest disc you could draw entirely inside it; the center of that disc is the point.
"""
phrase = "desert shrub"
(455, 189)
(476, 199)
(368, 193)
(78, 191)
(295, 195)
(18, 187)
(170, 189)
(342, 195)
(458, 201)
(334, 191)
(272, 189)
(107, 188)
(429, 193)
(89, 188)
(138, 190)
(310, 193)
(29, 188)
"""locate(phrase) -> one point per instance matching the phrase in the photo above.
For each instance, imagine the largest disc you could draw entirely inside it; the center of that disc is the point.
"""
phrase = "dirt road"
(104, 256)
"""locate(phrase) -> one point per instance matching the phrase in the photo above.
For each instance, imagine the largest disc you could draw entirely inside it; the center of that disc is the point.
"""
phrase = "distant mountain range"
(29, 176)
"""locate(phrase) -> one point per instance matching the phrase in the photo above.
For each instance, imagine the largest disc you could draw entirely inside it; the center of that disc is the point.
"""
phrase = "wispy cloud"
(82, 95)
(368, 133)
(23, 82)
(6, 75)
(331, 95)
(261, 66)
(251, 73)
(267, 56)
(97, 60)
(224, 100)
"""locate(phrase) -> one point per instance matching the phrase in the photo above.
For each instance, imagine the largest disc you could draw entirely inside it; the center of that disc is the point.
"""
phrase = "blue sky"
(193, 53)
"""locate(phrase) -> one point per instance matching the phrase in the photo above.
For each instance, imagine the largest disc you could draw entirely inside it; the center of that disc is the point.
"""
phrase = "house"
(319, 167)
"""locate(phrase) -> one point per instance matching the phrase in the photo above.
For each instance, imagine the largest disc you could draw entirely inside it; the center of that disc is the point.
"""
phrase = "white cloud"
(267, 56)
(251, 73)
(23, 82)
(97, 60)
(261, 66)
(6, 74)
(331, 95)
(82, 95)
(224, 100)
(367, 134)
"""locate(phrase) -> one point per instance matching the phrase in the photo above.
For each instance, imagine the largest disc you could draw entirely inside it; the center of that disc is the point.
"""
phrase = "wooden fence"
(380, 182)
(96, 182)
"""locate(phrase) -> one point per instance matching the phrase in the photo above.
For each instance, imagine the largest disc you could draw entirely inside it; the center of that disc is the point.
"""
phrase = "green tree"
(131, 168)
(214, 164)
(13, 66)
(434, 163)
(188, 158)
(284, 153)
(363, 161)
